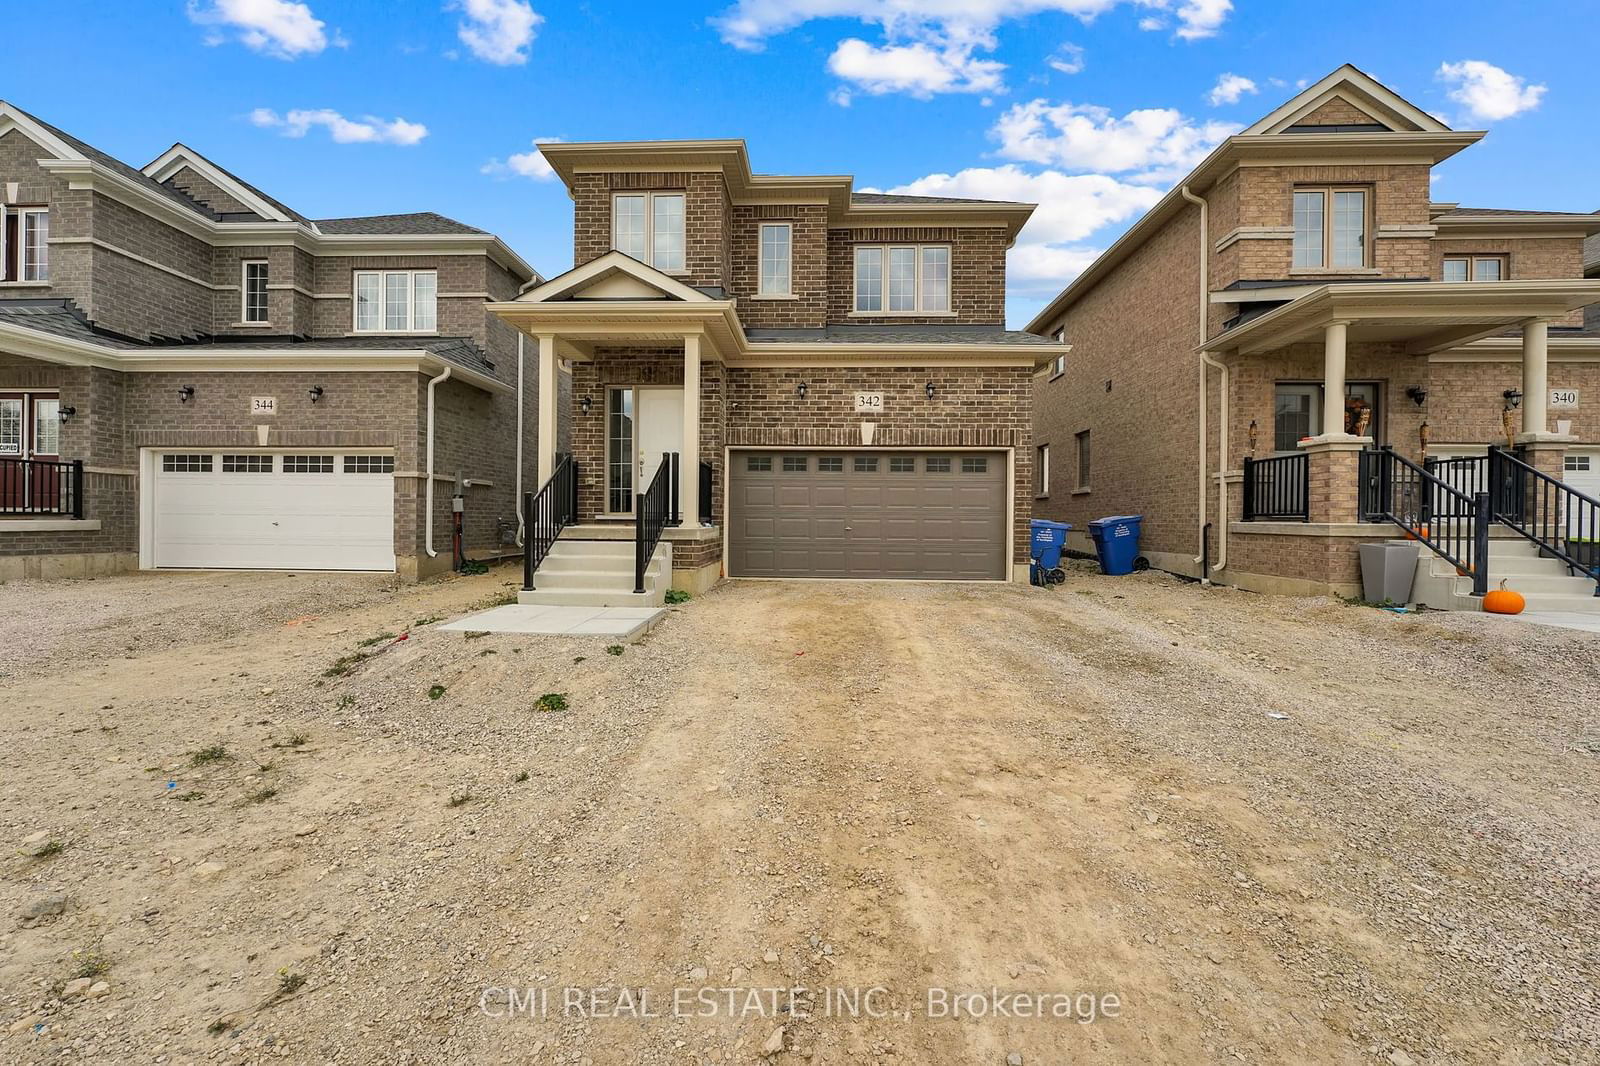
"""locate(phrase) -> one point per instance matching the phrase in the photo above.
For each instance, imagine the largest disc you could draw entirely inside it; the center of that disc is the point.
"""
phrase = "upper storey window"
(397, 301)
(1330, 229)
(902, 279)
(24, 244)
(649, 227)
(253, 290)
(776, 239)
(1474, 268)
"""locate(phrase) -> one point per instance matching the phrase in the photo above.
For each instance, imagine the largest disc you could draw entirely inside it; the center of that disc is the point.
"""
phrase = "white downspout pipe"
(1204, 492)
(427, 521)
(516, 495)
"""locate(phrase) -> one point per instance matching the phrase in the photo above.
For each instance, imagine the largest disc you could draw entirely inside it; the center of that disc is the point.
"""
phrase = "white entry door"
(264, 511)
(660, 429)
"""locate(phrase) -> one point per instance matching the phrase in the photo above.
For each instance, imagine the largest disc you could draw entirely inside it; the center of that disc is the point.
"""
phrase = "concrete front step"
(580, 573)
(592, 597)
(594, 579)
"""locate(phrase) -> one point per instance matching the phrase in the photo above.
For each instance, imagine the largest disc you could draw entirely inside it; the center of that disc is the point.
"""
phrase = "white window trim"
(650, 226)
(788, 265)
(1041, 456)
(916, 282)
(244, 292)
(1329, 195)
(22, 211)
(1472, 259)
(383, 297)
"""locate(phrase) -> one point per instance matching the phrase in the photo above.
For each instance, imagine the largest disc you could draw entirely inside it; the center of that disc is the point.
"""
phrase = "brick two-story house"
(833, 364)
(192, 374)
(1337, 310)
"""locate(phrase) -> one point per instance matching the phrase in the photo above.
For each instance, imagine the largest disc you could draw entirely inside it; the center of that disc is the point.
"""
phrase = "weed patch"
(552, 701)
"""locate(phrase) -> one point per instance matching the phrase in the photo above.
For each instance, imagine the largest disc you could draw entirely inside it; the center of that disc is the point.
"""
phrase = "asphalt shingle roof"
(896, 334)
(1492, 212)
(60, 318)
(867, 199)
(417, 222)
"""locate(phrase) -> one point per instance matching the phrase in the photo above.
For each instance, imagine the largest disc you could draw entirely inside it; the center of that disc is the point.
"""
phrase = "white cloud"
(1202, 18)
(920, 68)
(1487, 92)
(1152, 23)
(1072, 207)
(1068, 59)
(497, 31)
(367, 130)
(1152, 144)
(524, 164)
(933, 46)
(1229, 88)
(279, 28)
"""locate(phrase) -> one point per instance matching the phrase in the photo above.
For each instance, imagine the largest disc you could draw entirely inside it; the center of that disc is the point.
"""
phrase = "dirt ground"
(1229, 828)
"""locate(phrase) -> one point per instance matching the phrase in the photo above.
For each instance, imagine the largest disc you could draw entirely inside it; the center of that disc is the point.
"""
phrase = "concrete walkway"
(1564, 619)
(624, 623)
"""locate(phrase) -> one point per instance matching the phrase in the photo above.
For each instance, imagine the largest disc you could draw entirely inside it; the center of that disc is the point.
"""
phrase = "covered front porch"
(1347, 431)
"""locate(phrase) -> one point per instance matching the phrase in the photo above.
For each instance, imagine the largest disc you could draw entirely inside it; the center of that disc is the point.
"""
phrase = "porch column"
(547, 407)
(1535, 377)
(1333, 346)
(689, 459)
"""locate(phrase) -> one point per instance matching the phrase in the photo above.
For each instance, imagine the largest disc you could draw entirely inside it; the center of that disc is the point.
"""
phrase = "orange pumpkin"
(1503, 601)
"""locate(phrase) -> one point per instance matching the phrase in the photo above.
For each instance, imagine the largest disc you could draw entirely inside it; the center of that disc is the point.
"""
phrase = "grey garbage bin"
(1388, 569)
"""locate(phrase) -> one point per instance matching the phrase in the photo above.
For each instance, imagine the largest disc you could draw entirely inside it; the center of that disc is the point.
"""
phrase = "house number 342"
(869, 402)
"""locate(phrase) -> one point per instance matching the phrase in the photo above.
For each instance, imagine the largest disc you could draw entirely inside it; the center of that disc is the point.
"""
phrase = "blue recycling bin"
(1046, 542)
(1116, 542)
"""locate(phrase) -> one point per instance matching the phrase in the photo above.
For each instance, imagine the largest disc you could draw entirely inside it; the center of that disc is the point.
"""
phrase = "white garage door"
(273, 511)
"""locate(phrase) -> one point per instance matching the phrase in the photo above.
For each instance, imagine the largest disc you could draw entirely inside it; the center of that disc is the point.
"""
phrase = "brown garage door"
(873, 514)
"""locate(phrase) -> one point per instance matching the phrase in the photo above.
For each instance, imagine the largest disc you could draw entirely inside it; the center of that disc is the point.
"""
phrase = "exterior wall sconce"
(800, 390)
(1253, 434)
(67, 412)
(1417, 394)
(929, 389)
(585, 403)
(1513, 399)
(315, 392)
(185, 393)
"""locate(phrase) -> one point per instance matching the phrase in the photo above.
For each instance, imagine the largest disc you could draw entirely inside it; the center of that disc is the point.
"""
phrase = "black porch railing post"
(1386, 479)
(1364, 485)
(707, 512)
(77, 488)
(1480, 544)
(527, 541)
(1249, 506)
(1305, 486)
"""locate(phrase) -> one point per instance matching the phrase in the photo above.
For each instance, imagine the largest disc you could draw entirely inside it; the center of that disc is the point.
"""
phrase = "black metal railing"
(1562, 521)
(705, 494)
(652, 510)
(1469, 475)
(1278, 488)
(1452, 524)
(546, 513)
(41, 487)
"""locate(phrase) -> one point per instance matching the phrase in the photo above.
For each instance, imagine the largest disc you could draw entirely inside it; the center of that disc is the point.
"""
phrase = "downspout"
(427, 541)
(1206, 361)
(516, 496)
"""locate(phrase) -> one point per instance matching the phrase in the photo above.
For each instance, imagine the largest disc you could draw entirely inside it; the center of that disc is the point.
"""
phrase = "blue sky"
(1091, 107)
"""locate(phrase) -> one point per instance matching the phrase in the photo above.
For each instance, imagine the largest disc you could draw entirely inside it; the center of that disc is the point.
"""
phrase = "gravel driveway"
(250, 824)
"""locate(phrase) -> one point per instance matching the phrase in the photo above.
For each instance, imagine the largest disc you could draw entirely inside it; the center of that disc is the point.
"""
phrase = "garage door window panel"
(308, 464)
(186, 464)
(247, 464)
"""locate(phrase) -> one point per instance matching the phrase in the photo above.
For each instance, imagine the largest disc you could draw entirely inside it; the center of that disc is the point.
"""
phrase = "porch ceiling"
(1421, 317)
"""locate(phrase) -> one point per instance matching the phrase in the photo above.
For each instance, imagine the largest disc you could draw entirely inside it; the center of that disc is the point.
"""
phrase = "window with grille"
(186, 464)
(866, 464)
(369, 464)
(308, 464)
(830, 464)
(795, 464)
(937, 464)
(397, 301)
(902, 464)
(758, 464)
(247, 464)
(974, 464)
(255, 291)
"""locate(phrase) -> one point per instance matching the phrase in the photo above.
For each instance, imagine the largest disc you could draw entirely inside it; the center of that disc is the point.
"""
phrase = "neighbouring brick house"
(194, 375)
(827, 371)
(1314, 263)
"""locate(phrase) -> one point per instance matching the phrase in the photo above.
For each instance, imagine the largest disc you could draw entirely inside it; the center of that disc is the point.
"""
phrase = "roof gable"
(614, 276)
(1350, 98)
(180, 157)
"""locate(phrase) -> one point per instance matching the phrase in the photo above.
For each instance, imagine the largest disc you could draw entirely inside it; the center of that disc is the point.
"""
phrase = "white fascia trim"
(10, 119)
(1509, 350)
(179, 156)
(66, 351)
(1359, 81)
(612, 261)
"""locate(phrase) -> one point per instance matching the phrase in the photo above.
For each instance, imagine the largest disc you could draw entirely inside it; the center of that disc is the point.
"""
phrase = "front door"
(30, 428)
(643, 424)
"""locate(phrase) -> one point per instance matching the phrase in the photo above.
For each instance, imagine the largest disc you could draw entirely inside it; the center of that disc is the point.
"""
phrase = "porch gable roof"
(1421, 316)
